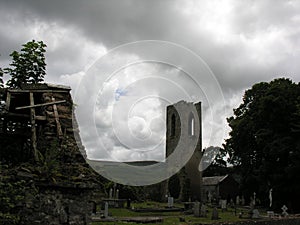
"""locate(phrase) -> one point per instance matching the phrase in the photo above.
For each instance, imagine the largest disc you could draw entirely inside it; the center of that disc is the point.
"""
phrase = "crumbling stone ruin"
(46, 161)
(190, 177)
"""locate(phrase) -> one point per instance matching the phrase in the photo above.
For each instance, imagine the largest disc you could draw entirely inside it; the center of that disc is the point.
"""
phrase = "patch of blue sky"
(119, 92)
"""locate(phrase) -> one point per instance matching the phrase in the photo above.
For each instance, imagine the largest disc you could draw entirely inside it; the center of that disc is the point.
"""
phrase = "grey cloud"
(252, 41)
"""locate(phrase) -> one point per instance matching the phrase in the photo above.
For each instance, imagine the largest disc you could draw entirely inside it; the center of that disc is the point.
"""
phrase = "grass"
(169, 218)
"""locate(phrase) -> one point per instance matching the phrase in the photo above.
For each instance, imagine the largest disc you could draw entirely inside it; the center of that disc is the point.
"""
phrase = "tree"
(264, 142)
(28, 66)
(2, 106)
(1, 78)
(213, 162)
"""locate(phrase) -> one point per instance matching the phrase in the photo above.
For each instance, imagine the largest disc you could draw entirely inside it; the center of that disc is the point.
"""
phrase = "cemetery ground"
(180, 217)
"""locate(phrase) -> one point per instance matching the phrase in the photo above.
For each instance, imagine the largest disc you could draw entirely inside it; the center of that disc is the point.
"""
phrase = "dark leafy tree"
(1, 78)
(2, 106)
(264, 142)
(28, 66)
(214, 162)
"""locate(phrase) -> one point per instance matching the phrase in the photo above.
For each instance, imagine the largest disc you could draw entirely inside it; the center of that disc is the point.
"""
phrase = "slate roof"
(207, 181)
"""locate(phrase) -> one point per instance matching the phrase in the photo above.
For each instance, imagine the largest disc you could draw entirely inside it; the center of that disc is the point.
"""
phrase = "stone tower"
(187, 126)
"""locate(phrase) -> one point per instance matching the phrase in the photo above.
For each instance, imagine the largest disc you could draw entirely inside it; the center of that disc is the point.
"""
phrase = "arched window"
(173, 125)
(191, 125)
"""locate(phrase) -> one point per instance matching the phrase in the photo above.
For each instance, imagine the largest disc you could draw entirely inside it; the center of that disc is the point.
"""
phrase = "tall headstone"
(203, 210)
(106, 210)
(215, 214)
(110, 193)
(209, 197)
(243, 200)
(170, 202)
(128, 203)
(270, 197)
(197, 209)
(237, 200)
(251, 203)
(114, 190)
(224, 205)
(117, 194)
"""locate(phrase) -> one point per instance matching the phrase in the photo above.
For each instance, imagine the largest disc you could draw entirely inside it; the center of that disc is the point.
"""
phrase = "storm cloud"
(242, 42)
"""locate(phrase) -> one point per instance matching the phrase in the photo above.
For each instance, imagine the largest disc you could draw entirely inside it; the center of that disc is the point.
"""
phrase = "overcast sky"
(241, 42)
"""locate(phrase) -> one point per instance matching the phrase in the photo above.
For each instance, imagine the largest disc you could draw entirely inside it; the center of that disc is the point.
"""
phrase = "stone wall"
(58, 204)
(61, 181)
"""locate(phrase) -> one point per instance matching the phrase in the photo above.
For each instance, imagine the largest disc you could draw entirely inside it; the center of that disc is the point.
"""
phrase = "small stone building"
(37, 136)
(219, 187)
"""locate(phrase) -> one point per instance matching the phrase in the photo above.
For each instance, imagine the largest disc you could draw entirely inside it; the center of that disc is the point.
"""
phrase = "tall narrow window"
(191, 125)
(173, 124)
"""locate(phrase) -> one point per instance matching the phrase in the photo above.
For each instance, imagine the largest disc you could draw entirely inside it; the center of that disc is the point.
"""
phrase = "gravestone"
(215, 214)
(197, 209)
(284, 211)
(203, 210)
(255, 214)
(243, 201)
(117, 194)
(170, 202)
(270, 197)
(223, 205)
(106, 210)
(128, 203)
(209, 196)
(252, 204)
(237, 200)
(110, 193)
(270, 214)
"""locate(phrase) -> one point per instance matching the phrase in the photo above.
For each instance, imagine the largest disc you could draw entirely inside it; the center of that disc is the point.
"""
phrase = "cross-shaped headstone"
(284, 210)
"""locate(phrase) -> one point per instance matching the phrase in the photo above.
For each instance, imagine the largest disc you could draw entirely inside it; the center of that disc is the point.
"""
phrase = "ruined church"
(186, 126)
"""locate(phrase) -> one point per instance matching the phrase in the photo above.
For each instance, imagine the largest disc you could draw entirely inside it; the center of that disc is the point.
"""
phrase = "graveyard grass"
(171, 217)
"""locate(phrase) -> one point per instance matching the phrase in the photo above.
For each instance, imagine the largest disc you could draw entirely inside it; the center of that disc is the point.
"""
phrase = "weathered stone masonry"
(39, 122)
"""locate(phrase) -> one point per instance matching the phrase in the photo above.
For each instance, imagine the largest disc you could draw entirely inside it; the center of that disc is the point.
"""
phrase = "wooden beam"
(39, 91)
(33, 129)
(39, 105)
(58, 126)
(40, 117)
